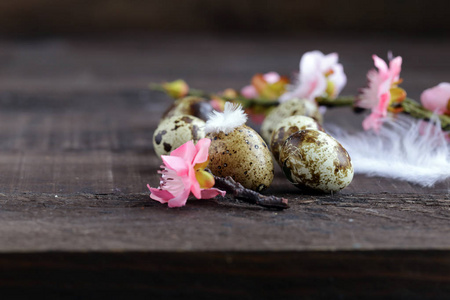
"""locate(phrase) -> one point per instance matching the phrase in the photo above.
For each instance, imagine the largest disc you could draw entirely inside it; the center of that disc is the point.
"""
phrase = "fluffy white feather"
(233, 116)
(404, 149)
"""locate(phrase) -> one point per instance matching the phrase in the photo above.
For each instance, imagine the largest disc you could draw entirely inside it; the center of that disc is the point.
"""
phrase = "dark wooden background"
(31, 18)
(76, 125)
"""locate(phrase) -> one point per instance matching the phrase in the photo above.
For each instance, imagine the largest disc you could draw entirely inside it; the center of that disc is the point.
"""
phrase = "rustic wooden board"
(76, 124)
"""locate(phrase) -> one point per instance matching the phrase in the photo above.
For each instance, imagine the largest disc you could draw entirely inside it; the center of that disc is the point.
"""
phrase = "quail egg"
(286, 109)
(287, 127)
(313, 160)
(243, 155)
(173, 132)
(193, 106)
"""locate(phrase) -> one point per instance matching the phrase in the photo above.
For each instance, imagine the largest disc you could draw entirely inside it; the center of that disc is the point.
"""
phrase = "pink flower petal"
(194, 185)
(310, 62)
(314, 76)
(179, 200)
(377, 95)
(202, 149)
(328, 61)
(271, 77)
(176, 163)
(436, 98)
(249, 92)
(383, 104)
(316, 84)
(211, 193)
(160, 195)
(338, 77)
(375, 119)
(186, 151)
(381, 65)
(395, 67)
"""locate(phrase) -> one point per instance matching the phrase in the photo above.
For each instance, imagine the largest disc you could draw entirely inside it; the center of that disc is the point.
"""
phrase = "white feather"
(404, 149)
(233, 116)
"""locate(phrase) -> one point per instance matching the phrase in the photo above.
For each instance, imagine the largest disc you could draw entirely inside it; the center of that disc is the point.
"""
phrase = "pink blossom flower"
(382, 90)
(267, 86)
(437, 99)
(249, 92)
(320, 76)
(183, 172)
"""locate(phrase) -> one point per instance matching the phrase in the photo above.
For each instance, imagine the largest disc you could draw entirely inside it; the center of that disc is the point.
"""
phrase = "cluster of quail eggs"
(236, 150)
(309, 157)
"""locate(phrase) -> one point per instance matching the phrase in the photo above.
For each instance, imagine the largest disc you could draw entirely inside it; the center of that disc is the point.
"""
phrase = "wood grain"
(76, 155)
(75, 179)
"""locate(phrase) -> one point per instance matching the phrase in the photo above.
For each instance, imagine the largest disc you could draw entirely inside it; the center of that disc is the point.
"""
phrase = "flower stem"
(416, 110)
(239, 192)
(156, 87)
(339, 101)
(411, 107)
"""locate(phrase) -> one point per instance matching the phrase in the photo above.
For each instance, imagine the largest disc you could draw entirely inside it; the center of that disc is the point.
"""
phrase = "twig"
(416, 110)
(339, 101)
(408, 106)
(247, 195)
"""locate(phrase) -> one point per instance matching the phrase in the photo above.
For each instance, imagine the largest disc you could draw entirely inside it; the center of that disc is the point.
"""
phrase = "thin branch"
(408, 106)
(416, 110)
(338, 102)
(239, 192)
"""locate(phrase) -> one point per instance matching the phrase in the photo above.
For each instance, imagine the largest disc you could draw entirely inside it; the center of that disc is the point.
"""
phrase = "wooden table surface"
(76, 126)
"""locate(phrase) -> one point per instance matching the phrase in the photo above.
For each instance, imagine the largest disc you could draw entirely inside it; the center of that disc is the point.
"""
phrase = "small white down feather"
(233, 116)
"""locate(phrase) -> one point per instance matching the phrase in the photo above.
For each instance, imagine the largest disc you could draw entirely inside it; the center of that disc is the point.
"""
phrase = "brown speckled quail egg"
(313, 160)
(286, 109)
(243, 155)
(193, 106)
(173, 132)
(287, 127)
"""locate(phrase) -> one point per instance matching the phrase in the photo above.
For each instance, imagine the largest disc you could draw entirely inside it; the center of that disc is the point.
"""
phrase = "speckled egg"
(289, 108)
(313, 160)
(193, 106)
(287, 127)
(173, 132)
(243, 155)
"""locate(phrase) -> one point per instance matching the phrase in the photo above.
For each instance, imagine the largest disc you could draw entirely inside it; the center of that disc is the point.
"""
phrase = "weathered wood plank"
(83, 222)
(103, 143)
(76, 124)
(75, 178)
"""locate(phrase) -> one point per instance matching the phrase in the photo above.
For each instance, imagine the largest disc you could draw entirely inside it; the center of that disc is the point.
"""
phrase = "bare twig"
(416, 110)
(338, 102)
(239, 192)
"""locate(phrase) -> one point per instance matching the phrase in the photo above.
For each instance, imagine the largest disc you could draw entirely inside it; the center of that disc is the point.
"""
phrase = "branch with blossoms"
(383, 95)
(321, 79)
